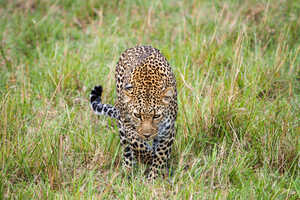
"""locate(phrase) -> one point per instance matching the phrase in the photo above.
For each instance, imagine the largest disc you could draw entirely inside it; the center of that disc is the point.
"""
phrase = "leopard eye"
(137, 115)
(156, 116)
(128, 86)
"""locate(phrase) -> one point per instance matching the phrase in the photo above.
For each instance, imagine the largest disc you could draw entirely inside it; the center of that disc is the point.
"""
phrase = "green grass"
(238, 78)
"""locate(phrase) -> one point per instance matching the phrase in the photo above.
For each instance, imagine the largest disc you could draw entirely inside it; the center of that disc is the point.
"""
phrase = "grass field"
(237, 65)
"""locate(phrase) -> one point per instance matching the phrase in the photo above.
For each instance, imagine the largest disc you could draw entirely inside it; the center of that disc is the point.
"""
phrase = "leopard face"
(147, 114)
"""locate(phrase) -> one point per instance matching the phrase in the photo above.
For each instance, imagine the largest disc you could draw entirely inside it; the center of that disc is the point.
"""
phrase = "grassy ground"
(238, 77)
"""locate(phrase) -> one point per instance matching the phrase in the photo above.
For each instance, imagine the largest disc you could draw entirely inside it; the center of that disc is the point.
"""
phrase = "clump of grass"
(237, 70)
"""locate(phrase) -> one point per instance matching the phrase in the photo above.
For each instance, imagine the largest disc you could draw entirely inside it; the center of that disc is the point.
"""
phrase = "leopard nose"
(147, 135)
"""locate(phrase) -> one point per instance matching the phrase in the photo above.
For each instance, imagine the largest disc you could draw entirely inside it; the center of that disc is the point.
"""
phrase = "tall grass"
(237, 69)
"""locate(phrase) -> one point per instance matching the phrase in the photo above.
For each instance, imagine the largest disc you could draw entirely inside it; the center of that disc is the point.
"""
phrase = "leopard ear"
(167, 94)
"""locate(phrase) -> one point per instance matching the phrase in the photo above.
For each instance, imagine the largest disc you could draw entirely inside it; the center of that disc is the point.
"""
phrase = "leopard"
(145, 109)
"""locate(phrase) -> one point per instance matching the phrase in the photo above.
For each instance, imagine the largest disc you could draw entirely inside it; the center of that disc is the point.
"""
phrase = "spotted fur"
(146, 107)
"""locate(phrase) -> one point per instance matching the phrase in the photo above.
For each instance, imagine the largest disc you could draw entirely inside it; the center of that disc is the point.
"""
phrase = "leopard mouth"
(147, 137)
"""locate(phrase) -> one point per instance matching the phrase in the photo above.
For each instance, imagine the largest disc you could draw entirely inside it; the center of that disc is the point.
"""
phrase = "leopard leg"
(128, 159)
(141, 151)
(102, 109)
(162, 150)
(137, 150)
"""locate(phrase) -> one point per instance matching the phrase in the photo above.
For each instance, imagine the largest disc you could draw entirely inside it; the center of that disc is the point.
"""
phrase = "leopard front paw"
(151, 175)
(96, 93)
